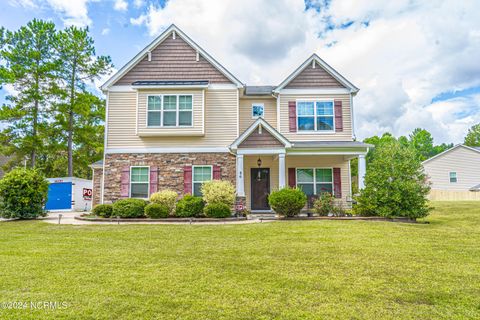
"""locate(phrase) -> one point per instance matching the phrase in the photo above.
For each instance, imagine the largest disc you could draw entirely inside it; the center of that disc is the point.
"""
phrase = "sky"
(417, 63)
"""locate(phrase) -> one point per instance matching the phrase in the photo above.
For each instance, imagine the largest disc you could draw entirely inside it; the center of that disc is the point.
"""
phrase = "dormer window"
(169, 111)
(258, 110)
(314, 115)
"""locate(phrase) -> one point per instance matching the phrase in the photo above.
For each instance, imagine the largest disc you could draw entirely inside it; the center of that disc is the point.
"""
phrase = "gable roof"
(266, 126)
(476, 149)
(314, 57)
(172, 28)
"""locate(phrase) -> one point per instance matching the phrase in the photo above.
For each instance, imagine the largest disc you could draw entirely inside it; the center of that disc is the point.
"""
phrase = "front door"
(260, 188)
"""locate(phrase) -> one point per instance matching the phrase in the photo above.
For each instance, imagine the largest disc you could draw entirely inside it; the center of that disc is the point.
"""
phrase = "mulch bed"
(184, 220)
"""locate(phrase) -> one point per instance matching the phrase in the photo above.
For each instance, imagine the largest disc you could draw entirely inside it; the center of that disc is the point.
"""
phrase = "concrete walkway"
(68, 218)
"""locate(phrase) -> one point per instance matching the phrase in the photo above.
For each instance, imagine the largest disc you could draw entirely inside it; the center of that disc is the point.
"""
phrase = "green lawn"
(279, 270)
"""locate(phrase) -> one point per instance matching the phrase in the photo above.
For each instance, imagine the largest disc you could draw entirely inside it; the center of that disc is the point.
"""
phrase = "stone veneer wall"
(97, 186)
(170, 168)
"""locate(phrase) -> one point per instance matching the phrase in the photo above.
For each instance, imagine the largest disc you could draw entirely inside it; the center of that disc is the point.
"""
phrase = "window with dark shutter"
(292, 116)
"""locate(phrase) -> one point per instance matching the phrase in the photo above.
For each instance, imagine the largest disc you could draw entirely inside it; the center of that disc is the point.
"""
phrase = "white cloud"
(120, 5)
(74, 12)
(28, 4)
(410, 52)
(105, 31)
(138, 3)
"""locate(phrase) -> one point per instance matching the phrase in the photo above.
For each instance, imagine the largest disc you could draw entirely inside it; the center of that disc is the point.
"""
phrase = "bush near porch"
(287, 201)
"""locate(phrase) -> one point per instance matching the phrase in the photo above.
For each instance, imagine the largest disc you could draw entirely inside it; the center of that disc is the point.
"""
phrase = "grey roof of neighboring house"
(171, 83)
(475, 188)
(98, 163)
(258, 90)
(330, 144)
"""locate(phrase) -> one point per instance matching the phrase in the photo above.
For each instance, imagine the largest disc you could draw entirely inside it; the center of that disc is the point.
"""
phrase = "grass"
(279, 270)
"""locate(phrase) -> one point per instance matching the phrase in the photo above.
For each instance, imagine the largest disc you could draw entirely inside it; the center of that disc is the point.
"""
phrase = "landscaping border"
(398, 219)
(176, 220)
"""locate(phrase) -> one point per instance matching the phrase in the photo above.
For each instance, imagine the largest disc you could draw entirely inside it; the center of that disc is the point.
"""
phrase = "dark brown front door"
(260, 188)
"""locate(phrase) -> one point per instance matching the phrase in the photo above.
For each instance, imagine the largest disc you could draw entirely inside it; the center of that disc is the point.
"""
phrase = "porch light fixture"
(259, 174)
(259, 162)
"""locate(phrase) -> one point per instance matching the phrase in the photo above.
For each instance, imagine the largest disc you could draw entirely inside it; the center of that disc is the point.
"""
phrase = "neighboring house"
(176, 118)
(455, 174)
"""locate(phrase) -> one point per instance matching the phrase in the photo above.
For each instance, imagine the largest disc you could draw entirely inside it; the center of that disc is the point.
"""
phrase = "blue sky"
(416, 62)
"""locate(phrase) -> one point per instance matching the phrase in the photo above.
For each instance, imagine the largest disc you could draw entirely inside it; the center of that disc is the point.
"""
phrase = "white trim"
(168, 150)
(281, 171)
(105, 141)
(322, 64)
(240, 176)
(278, 113)
(176, 31)
(316, 91)
(162, 111)
(314, 178)
(222, 86)
(130, 182)
(193, 174)
(321, 153)
(451, 149)
(260, 151)
(351, 117)
(315, 116)
(120, 89)
(263, 110)
(350, 178)
(362, 170)
(267, 126)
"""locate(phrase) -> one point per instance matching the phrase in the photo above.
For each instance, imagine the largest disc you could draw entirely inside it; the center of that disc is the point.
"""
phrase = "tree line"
(51, 121)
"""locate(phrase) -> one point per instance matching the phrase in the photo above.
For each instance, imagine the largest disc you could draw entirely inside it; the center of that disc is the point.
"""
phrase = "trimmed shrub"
(218, 191)
(287, 201)
(324, 204)
(189, 206)
(165, 197)
(218, 210)
(103, 210)
(129, 208)
(23, 194)
(157, 210)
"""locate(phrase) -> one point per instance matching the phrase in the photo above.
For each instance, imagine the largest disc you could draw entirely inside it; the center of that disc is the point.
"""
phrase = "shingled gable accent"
(312, 77)
(316, 73)
(260, 135)
(172, 56)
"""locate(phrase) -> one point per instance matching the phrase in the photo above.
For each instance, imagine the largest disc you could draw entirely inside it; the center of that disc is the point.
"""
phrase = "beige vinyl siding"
(323, 162)
(463, 161)
(345, 135)
(270, 111)
(220, 122)
(197, 116)
(250, 162)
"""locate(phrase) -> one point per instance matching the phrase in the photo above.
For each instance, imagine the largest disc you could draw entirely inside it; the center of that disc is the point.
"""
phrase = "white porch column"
(281, 169)
(362, 169)
(240, 176)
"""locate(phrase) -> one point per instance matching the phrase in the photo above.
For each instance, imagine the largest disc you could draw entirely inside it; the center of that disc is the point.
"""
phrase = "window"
(257, 110)
(200, 175)
(139, 182)
(315, 180)
(170, 111)
(453, 177)
(315, 116)
(154, 110)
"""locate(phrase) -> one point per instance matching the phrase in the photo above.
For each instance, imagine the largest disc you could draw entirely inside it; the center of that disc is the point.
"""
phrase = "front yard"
(278, 270)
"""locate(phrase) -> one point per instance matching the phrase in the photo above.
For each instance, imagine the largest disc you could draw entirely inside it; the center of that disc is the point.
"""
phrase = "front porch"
(267, 161)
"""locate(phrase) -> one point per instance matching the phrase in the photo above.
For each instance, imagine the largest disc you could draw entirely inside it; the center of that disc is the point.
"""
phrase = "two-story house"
(176, 118)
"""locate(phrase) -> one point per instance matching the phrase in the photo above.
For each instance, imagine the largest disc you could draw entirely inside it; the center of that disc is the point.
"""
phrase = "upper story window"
(199, 176)
(170, 111)
(453, 177)
(139, 182)
(314, 181)
(315, 116)
(258, 110)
